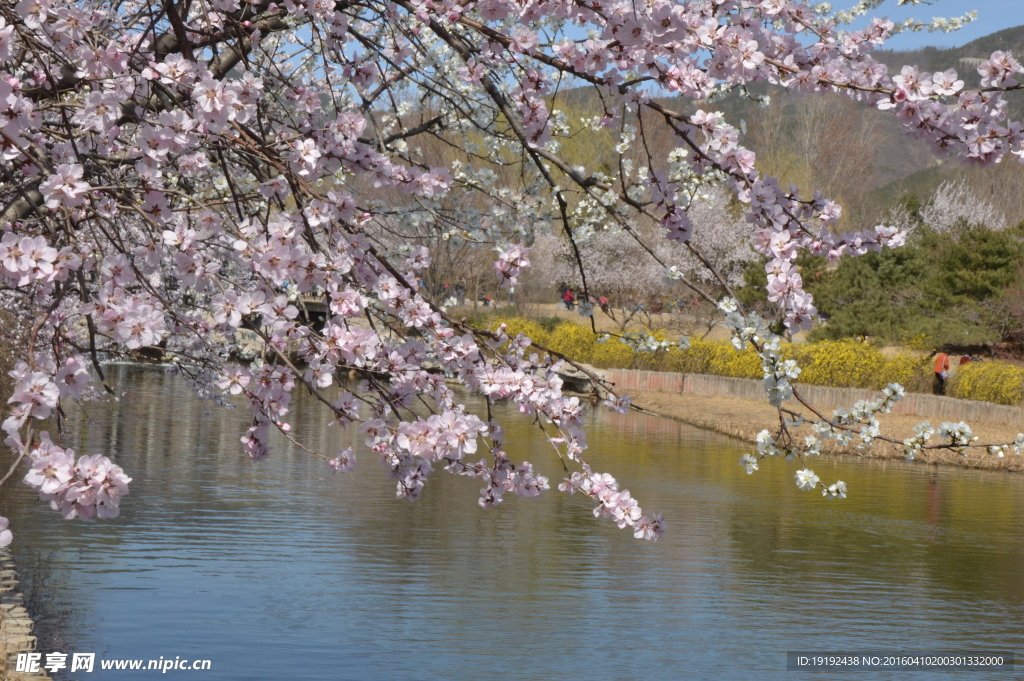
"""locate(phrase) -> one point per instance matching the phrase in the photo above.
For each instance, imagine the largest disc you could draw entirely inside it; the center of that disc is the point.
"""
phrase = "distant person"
(562, 288)
(569, 299)
(965, 359)
(604, 304)
(941, 373)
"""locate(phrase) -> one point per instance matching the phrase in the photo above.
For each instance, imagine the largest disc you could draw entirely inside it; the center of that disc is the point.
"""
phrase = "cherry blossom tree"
(170, 169)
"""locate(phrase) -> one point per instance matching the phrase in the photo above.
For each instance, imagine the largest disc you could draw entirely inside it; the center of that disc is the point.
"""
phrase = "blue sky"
(993, 15)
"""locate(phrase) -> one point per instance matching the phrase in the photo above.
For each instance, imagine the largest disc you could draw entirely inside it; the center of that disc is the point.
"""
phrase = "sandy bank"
(743, 419)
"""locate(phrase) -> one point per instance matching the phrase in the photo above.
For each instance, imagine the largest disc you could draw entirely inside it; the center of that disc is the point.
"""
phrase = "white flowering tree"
(169, 170)
(954, 206)
(606, 262)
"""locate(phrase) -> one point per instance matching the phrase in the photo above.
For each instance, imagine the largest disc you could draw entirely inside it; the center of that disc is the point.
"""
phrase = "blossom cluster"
(412, 448)
(612, 502)
(1000, 451)
(959, 434)
(37, 393)
(84, 487)
(28, 259)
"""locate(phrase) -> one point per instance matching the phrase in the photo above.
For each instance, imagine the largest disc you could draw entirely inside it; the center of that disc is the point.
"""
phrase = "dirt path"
(743, 419)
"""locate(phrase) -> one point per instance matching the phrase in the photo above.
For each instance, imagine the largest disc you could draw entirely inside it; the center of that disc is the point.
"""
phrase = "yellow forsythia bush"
(573, 340)
(850, 363)
(831, 363)
(844, 363)
(913, 372)
(837, 363)
(613, 355)
(717, 358)
(746, 363)
(988, 381)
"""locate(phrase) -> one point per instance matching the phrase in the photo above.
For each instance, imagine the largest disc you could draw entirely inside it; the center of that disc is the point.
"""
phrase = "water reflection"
(280, 569)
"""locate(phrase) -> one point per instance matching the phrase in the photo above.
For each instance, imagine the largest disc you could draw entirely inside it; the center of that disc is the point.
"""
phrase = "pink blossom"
(65, 187)
(234, 379)
(141, 325)
(345, 461)
(51, 473)
(72, 378)
(38, 392)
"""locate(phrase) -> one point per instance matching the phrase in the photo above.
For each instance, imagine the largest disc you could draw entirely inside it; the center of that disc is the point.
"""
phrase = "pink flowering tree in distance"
(175, 176)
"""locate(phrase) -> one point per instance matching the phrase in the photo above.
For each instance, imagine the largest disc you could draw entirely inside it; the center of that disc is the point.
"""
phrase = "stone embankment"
(15, 623)
(738, 407)
(935, 407)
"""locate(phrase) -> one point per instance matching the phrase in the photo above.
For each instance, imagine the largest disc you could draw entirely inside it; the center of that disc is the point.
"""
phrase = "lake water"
(281, 569)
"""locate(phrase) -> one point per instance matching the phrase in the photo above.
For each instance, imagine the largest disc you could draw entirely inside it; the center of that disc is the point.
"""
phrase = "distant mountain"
(892, 164)
(964, 59)
(901, 165)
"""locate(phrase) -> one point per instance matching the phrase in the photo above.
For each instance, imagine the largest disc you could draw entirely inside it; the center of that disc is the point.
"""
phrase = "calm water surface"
(282, 570)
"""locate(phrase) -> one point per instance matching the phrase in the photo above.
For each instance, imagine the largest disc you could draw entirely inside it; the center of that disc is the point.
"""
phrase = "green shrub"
(550, 323)
(933, 290)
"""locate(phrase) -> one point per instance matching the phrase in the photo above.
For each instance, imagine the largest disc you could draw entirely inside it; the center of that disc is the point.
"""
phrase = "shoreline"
(743, 419)
(15, 623)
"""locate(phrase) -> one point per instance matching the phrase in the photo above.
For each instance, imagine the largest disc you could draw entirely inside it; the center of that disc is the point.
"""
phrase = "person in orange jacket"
(941, 373)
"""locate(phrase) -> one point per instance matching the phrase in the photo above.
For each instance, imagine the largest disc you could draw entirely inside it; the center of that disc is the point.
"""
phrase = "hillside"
(850, 152)
(891, 164)
(964, 58)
